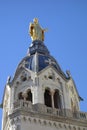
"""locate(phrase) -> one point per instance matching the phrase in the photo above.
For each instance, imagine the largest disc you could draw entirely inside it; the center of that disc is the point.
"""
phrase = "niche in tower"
(47, 98)
(57, 101)
(29, 95)
(20, 96)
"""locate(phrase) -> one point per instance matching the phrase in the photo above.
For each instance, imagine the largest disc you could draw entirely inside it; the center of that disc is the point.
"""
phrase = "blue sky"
(66, 38)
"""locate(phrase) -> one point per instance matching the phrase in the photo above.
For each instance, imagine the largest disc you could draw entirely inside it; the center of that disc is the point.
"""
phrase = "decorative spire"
(36, 31)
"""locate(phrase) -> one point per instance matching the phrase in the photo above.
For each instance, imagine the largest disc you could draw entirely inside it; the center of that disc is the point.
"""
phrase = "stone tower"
(41, 96)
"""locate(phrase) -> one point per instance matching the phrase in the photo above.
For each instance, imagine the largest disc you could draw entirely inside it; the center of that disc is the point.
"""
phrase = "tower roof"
(38, 58)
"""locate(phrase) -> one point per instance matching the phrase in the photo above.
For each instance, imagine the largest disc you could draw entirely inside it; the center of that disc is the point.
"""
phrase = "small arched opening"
(20, 96)
(47, 98)
(29, 96)
(57, 101)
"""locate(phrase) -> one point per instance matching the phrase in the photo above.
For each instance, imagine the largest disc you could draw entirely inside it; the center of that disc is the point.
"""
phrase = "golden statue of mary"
(36, 32)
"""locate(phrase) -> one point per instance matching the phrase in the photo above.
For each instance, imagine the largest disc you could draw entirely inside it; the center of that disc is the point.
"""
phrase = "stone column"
(61, 100)
(25, 95)
(42, 92)
(34, 92)
(62, 96)
(52, 97)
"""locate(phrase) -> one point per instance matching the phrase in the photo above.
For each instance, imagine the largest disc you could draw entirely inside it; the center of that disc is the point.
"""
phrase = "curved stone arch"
(57, 99)
(47, 88)
(47, 97)
(20, 96)
(52, 97)
(52, 87)
(29, 95)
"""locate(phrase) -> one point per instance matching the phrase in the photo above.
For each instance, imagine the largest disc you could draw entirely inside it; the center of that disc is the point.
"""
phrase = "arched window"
(29, 96)
(57, 101)
(20, 96)
(47, 98)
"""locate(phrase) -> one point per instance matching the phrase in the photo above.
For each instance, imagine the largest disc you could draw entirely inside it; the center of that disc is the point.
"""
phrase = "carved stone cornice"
(48, 116)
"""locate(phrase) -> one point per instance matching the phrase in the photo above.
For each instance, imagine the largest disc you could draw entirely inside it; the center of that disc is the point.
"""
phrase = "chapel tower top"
(41, 95)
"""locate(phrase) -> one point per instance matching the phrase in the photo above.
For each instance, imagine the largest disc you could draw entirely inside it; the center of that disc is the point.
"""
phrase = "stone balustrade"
(41, 108)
